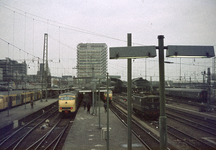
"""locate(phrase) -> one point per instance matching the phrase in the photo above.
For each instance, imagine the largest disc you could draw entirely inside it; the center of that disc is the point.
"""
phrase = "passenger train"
(198, 95)
(68, 102)
(17, 98)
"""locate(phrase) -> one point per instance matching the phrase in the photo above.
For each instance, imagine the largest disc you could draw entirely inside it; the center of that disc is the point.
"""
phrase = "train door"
(13, 98)
(22, 98)
(9, 101)
(18, 99)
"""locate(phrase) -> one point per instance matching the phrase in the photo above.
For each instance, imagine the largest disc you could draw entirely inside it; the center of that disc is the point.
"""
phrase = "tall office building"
(91, 60)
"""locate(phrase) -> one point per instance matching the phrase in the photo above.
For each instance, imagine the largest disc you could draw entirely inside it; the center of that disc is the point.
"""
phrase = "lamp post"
(107, 111)
(100, 77)
(128, 53)
(99, 105)
(129, 94)
(162, 118)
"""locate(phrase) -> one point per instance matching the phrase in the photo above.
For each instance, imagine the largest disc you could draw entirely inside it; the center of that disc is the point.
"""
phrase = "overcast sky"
(70, 22)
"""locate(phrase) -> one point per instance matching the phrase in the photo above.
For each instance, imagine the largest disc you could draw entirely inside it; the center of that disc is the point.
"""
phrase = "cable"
(19, 48)
(64, 26)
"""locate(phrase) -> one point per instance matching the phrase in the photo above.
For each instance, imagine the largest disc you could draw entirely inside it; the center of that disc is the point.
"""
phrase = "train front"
(67, 103)
(110, 96)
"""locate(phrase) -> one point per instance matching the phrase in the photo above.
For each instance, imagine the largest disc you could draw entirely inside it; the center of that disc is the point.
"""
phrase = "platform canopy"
(89, 91)
(132, 52)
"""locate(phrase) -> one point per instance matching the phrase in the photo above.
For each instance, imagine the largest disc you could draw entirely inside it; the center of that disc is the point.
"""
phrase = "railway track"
(197, 125)
(194, 122)
(190, 128)
(145, 136)
(198, 118)
(191, 141)
(43, 132)
(147, 139)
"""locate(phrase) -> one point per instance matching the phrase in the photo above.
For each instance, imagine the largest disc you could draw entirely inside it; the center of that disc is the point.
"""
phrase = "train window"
(67, 98)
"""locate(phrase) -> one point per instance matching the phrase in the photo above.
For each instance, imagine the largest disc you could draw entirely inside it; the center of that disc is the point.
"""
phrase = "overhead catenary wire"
(56, 24)
(62, 25)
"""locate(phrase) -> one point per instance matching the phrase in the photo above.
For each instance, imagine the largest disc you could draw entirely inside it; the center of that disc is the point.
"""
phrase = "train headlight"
(71, 107)
(60, 107)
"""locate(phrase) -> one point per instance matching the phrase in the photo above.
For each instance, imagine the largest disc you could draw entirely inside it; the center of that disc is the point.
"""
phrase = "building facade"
(91, 60)
(12, 70)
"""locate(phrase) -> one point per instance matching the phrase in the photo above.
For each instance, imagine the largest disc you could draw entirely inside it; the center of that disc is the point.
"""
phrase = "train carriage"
(13, 99)
(3, 103)
(18, 99)
(27, 97)
(198, 95)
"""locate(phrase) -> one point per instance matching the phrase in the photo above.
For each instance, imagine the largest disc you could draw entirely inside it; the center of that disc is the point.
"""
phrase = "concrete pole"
(8, 99)
(99, 103)
(129, 95)
(25, 94)
(162, 118)
(107, 111)
(93, 100)
(96, 98)
(209, 90)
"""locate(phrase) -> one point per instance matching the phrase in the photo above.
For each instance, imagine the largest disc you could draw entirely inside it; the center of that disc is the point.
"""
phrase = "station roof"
(89, 91)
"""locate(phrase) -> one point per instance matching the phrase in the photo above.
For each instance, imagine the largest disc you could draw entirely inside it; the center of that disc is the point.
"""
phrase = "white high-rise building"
(91, 60)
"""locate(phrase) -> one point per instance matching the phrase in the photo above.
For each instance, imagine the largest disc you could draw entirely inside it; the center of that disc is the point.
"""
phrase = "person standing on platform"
(84, 104)
(88, 107)
(32, 104)
(105, 107)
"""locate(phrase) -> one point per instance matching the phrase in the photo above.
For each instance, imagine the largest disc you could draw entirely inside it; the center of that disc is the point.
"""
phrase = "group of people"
(88, 105)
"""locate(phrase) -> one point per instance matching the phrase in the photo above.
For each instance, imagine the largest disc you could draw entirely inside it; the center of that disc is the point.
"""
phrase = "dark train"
(147, 106)
(198, 95)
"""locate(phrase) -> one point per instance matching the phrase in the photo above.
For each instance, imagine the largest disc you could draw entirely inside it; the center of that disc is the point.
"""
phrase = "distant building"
(11, 69)
(91, 60)
(1, 74)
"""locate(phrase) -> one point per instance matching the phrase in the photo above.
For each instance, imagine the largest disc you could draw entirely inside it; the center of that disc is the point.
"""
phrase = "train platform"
(85, 133)
(8, 117)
